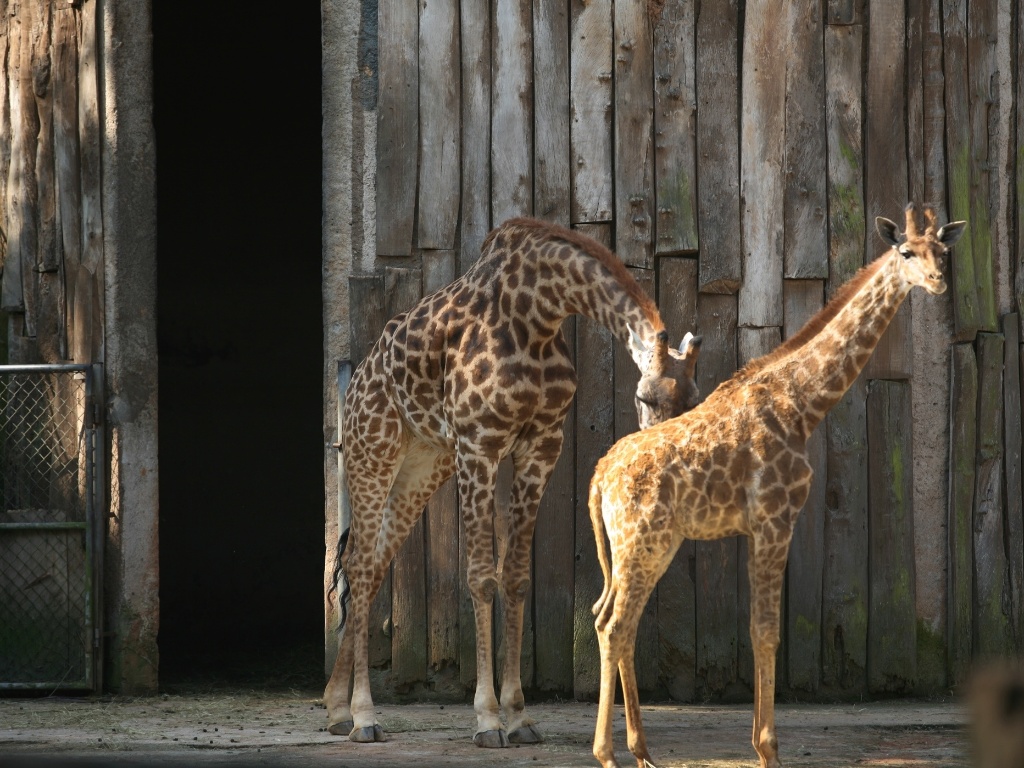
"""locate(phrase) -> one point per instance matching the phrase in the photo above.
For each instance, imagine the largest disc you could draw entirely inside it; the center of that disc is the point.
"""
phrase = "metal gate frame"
(84, 655)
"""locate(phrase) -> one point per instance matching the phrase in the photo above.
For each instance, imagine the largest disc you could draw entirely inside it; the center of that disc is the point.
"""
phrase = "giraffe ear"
(950, 233)
(888, 231)
(639, 351)
(690, 350)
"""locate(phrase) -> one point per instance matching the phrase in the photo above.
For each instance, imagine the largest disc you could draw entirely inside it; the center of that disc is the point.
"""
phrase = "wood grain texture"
(892, 625)
(763, 137)
(966, 309)
(933, 107)
(992, 630)
(591, 99)
(677, 660)
(440, 157)
(963, 428)
(475, 202)
(634, 151)
(551, 111)
(595, 434)
(675, 129)
(397, 126)
(841, 12)
(803, 298)
(67, 164)
(1013, 485)
(12, 291)
(718, 147)
(511, 111)
(90, 156)
(885, 166)
(804, 196)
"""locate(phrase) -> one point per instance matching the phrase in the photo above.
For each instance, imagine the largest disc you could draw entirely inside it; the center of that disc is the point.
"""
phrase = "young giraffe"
(737, 464)
(474, 373)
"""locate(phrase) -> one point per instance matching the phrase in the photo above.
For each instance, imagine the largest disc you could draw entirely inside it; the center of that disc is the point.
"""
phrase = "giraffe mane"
(817, 322)
(596, 250)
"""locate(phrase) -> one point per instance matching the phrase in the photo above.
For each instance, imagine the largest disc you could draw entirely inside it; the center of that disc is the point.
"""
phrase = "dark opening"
(237, 115)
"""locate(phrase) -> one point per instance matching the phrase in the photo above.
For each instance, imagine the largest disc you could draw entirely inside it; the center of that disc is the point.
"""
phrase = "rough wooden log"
(595, 420)
(892, 624)
(718, 147)
(475, 44)
(804, 196)
(512, 111)
(440, 157)
(397, 126)
(763, 127)
(633, 158)
(963, 426)
(675, 118)
(551, 111)
(591, 109)
(803, 298)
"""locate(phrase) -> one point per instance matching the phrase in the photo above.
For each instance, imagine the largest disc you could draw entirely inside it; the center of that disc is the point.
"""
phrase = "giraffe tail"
(339, 576)
(597, 520)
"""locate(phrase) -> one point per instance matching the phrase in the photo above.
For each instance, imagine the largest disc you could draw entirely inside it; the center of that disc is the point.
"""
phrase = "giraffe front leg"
(767, 564)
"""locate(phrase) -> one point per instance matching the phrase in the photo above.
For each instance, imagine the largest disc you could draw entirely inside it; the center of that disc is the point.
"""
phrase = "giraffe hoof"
(367, 735)
(491, 739)
(526, 734)
(341, 729)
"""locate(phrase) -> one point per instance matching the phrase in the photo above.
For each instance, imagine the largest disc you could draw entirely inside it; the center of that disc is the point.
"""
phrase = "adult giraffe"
(737, 464)
(474, 373)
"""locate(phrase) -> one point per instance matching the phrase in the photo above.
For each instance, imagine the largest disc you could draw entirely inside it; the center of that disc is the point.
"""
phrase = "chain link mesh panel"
(47, 536)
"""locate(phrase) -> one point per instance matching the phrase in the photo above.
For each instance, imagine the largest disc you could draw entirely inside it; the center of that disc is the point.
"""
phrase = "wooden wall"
(50, 182)
(735, 155)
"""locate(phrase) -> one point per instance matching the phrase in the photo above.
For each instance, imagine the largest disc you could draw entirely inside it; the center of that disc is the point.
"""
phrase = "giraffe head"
(922, 252)
(667, 387)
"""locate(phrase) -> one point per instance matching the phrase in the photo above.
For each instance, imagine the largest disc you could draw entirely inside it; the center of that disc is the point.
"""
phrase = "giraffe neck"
(827, 364)
(553, 273)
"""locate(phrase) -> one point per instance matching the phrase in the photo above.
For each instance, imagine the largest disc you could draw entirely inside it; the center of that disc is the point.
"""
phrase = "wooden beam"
(551, 111)
(475, 46)
(511, 111)
(1013, 483)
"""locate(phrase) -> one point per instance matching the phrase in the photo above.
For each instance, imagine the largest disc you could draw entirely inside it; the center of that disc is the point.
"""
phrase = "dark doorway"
(237, 115)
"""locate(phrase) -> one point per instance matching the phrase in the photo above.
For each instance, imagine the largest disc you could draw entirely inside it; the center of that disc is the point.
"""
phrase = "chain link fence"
(50, 529)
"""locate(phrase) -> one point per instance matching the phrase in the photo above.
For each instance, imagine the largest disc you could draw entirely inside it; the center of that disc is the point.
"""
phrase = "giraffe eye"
(906, 252)
(649, 402)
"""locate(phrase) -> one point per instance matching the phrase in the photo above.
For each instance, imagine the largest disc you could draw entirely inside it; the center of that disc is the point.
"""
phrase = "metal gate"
(51, 529)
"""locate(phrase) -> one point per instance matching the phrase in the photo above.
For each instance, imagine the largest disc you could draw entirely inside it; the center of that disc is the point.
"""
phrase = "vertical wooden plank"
(751, 344)
(677, 298)
(675, 106)
(11, 293)
(442, 538)
(439, 128)
(475, 44)
(992, 632)
(914, 35)
(803, 298)
(512, 111)
(844, 531)
(763, 132)
(367, 319)
(68, 166)
(634, 166)
(595, 433)
(845, 152)
(89, 157)
(963, 424)
(892, 626)
(627, 376)
(1013, 485)
(591, 111)
(50, 325)
(5, 132)
(934, 108)
(804, 196)
(981, 71)
(885, 167)
(397, 125)
(551, 111)
(1019, 159)
(554, 583)
(716, 561)
(843, 12)
(718, 149)
(966, 310)
(402, 289)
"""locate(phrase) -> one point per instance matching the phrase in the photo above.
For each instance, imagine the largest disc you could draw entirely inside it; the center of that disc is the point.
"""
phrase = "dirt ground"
(289, 729)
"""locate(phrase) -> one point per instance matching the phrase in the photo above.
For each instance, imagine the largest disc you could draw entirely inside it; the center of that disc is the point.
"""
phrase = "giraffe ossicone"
(473, 374)
(737, 465)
